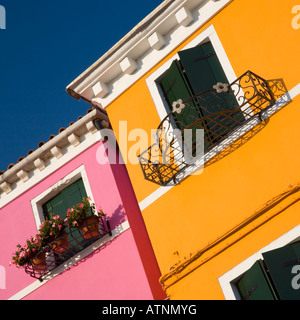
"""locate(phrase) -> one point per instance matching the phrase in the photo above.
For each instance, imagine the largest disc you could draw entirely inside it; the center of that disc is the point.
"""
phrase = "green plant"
(81, 211)
(24, 254)
(51, 229)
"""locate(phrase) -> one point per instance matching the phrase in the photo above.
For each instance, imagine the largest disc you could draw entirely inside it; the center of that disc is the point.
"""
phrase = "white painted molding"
(6, 187)
(96, 245)
(156, 41)
(184, 17)
(100, 89)
(97, 102)
(69, 153)
(56, 151)
(23, 175)
(74, 140)
(128, 65)
(42, 160)
(90, 126)
(39, 164)
(137, 46)
(61, 184)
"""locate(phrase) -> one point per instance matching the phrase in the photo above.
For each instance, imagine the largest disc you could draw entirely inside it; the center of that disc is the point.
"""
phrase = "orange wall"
(256, 35)
(258, 44)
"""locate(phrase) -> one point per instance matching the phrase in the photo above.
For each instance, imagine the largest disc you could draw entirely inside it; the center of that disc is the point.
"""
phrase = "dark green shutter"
(280, 263)
(203, 70)
(175, 87)
(198, 70)
(202, 67)
(68, 197)
(254, 284)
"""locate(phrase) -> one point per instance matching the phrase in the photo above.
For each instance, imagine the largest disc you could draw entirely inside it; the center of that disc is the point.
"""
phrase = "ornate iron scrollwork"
(218, 112)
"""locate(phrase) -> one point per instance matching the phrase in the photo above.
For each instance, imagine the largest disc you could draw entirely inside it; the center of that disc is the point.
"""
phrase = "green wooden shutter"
(202, 67)
(175, 87)
(280, 263)
(203, 70)
(65, 199)
(254, 284)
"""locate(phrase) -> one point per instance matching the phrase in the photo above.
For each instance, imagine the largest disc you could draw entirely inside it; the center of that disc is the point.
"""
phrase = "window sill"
(166, 162)
(65, 248)
(75, 259)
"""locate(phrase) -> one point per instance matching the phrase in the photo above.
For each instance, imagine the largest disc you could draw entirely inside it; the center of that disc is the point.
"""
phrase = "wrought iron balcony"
(219, 112)
(70, 244)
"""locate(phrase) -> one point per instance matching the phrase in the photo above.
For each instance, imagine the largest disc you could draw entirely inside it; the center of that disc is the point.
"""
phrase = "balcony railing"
(70, 244)
(219, 112)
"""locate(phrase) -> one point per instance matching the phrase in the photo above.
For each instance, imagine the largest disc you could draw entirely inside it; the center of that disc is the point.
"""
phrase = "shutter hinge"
(204, 57)
(249, 293)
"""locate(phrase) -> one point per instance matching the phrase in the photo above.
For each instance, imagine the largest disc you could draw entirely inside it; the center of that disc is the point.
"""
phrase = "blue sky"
(45, 46)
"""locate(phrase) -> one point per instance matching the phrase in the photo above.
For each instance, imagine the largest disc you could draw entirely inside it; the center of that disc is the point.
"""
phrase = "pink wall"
(115, 272)
(105, 274)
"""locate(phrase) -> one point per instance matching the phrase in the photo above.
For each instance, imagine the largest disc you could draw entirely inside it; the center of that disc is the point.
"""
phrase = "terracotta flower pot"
(89, 227)
(62, 244)
(39, 262)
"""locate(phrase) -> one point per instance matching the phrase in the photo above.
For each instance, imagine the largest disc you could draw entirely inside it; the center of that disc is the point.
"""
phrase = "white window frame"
(163, 108)
(208, 34)
(228, 280)
(55, 189)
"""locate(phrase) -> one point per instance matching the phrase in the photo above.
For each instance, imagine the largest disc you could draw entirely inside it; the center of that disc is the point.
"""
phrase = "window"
(271, 278)
(65, 199)
(153, 81)
(175, 153)
(57, 199)
(197, 71)
(198, 89)
(61, 195)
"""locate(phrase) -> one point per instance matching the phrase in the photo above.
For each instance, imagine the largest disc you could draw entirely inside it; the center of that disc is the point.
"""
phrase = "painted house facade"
(220, 200)
(98, 262)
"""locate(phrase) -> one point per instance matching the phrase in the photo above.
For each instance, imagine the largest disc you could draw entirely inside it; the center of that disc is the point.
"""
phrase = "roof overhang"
(142, 48)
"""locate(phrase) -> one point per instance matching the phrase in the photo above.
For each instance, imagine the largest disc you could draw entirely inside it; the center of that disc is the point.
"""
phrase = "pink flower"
(56, 217)
(80, 205)
(75, 223)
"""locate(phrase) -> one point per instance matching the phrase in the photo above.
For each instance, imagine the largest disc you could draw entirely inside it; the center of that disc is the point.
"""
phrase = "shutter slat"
(254, 284)
(280, 263)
